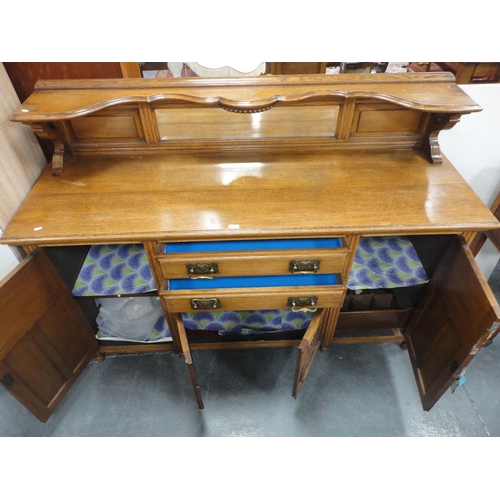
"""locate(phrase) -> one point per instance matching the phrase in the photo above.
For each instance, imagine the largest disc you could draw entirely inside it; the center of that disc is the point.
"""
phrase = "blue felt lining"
(235, 245)
(253, 281)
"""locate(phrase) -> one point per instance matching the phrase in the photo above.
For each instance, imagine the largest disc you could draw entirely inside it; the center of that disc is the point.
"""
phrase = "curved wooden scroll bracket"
(58, 158)
(45, 131)
(430, 145)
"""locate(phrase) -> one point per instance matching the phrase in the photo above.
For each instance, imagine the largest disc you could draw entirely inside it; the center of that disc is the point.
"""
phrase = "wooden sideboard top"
(140, 160)
(255, 195)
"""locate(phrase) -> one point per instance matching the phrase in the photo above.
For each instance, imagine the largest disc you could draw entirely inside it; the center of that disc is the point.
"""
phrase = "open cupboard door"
(453, 321)
(188, 359)
(45, 339)
(308, 348)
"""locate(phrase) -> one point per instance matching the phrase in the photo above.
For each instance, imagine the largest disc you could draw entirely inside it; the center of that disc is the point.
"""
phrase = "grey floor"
(356, 390)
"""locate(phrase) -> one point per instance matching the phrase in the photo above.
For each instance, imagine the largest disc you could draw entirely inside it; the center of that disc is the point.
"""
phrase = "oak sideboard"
(306, 210)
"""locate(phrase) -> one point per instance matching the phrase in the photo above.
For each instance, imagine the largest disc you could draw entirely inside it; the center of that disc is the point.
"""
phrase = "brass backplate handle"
(203, 270)
(304, 266)
(205, 303)
(303, 303)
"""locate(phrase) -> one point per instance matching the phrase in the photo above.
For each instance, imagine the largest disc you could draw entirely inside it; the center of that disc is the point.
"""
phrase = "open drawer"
(310, 298)
(253, 258)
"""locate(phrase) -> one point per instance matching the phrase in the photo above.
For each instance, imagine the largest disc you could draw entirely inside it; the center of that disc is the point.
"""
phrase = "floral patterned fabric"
(380, 262)
(246, 322)
(225, 322)
(385, 262)
(114, 270)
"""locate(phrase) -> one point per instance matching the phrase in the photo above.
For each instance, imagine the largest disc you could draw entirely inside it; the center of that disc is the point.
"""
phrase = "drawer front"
(310, 298)
(228, 258)
(277, 262)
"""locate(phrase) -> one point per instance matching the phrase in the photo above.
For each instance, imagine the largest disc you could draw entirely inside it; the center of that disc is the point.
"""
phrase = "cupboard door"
(308, 348)
(186, 354)
(45, 340)
(452, 322)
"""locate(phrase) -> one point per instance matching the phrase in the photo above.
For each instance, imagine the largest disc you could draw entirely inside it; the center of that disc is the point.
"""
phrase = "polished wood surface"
(254, 298)
(64, 99)
(200, 197)
(270, 113)
(263, 263)
(24, 76)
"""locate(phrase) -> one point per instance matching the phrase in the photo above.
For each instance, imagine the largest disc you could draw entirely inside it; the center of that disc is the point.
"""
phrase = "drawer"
(253, 258)
(254, 298)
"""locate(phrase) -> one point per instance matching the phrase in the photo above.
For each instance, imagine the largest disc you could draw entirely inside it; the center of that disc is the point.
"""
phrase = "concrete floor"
(353, 390)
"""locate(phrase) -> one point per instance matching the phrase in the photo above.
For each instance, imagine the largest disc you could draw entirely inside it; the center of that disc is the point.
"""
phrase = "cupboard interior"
(370, 309)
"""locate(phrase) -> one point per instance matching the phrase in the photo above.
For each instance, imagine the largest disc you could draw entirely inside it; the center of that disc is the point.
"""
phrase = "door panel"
(45, 340)
(452, 322)
(186, 354)
(308, 348)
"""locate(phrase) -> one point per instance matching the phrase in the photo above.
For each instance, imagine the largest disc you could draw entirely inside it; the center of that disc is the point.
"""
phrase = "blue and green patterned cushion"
(114, 270)
(385, 262)
(380, 262)
(246, 322)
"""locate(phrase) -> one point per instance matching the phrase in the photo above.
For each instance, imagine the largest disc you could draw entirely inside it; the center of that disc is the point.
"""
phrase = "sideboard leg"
(100, 357)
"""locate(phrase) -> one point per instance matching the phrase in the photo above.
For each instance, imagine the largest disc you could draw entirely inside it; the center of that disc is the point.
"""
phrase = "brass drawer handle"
(304, 266)
(304, 303)
(212, 303)
(202, 271)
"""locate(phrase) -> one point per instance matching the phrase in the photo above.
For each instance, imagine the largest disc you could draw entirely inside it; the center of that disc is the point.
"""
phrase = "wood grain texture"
(448, 328)
(60, 99)
(272, 113)
(252, 263)
(242, 299)
(200, 197)
(46, 341)
(308, 349)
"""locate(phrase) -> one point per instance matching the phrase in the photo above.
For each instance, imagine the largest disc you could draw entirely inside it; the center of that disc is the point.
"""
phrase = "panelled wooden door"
(45, 340)
(308, 348)
(453, 321)
(186, 354)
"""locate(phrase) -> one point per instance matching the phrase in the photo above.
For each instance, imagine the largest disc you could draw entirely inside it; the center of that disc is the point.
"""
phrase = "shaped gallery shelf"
(119, 277)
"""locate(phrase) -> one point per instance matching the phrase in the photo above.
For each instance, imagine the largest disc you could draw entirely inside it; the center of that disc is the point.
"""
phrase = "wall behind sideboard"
(8, 260)
(473, 146)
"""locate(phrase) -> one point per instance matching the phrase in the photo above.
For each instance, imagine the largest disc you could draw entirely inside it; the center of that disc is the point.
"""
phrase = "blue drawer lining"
(253, 281)
(236, 245)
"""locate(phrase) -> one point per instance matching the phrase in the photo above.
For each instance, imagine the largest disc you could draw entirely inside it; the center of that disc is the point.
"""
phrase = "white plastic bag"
(128, 318)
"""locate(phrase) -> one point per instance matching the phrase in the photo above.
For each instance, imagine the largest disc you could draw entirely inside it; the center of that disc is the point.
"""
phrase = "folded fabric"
(385, 262)
(114, 270)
